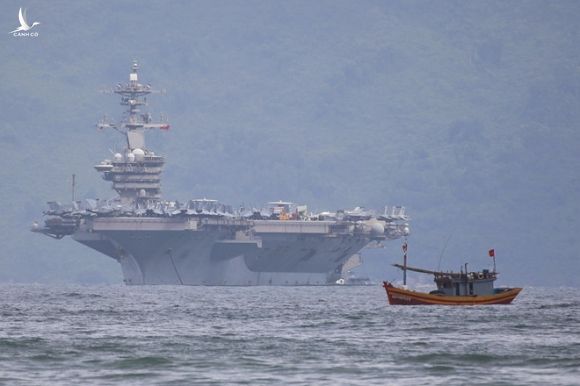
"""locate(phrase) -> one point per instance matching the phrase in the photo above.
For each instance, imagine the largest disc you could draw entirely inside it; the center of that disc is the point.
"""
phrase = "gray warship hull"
(185, 252)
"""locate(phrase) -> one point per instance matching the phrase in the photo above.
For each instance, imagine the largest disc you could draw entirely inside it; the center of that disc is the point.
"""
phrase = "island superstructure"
(202, 241)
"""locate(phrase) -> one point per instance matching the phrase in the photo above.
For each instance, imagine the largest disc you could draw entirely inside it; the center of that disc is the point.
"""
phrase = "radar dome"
(139, 154)
(377, 228)
(118, 157)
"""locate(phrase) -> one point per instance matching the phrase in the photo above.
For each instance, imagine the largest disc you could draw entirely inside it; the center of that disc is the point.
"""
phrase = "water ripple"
(281, 335)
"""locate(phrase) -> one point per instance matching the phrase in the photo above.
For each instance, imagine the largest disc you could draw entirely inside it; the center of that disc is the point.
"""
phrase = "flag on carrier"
(491, 253)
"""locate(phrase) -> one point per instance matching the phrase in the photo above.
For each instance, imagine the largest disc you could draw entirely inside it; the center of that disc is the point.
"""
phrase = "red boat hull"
(400, 296)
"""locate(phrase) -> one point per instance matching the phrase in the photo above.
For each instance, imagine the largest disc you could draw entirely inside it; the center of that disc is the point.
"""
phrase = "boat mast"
(404, 246)
(492, 255)
(73, 186)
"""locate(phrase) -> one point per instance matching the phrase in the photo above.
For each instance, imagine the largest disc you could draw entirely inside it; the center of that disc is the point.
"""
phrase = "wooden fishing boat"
(453, 288)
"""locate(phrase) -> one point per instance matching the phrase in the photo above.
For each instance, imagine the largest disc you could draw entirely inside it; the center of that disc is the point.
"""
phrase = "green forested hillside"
(464, 112)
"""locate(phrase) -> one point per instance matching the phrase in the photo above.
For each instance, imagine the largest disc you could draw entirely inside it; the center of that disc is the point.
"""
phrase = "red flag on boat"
(492, 253)
(164, 127)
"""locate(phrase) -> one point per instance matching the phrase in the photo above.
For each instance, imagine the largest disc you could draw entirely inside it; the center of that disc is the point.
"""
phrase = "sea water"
(281, 335)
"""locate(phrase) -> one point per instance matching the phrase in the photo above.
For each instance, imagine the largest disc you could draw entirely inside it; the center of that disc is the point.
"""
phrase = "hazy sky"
(464, 112)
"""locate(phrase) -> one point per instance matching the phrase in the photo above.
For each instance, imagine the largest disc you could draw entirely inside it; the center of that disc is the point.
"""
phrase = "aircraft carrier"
(202, 241)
